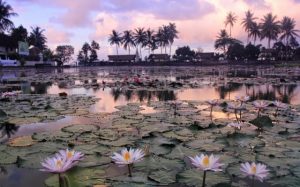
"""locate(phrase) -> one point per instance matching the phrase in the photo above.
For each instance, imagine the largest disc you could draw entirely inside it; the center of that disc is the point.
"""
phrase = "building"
(7, 46)
(159, 57)
(205, 56)
(121, 58)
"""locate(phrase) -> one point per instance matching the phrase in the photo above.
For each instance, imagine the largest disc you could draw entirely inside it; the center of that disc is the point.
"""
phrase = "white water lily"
(128, 156)
(236, 125)
(261, 105)
(280, 105)
(242, 98)
(207, 163)
(71, 155)
(212, 102)
(258, 171)
(57, 164)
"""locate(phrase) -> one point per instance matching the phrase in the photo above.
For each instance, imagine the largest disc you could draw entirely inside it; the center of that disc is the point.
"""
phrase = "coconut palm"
(224, 41)
(248, 22)
(6, 11)
(230, 20)
(270, 28)
(140, 38)
(149, 40)
(288, 30)
(173, 34)
(128, 40)
(115, 39)
(254, 32)
(160, 38)
(37, 38)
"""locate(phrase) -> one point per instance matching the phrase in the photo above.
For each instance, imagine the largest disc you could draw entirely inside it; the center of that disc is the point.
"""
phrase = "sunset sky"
(198, 21)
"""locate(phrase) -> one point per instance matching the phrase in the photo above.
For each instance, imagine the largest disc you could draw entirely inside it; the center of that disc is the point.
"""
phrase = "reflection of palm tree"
(227, 89)
(116, 93)
(286, 92)
(142, 95)
(40, 88)
(8, 129)
(128, 95)
(166, 95)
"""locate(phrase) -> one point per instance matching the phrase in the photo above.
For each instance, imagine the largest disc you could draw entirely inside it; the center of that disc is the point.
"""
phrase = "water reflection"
(7, 130)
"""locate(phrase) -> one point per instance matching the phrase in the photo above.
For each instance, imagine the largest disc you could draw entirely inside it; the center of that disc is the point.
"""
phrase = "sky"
(74, 22)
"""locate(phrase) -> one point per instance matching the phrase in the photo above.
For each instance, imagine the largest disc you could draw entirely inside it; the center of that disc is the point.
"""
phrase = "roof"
(159, 56)
(121, 57)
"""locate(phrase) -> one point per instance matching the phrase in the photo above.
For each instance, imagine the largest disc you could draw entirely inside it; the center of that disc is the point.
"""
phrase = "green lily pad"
(163, 177)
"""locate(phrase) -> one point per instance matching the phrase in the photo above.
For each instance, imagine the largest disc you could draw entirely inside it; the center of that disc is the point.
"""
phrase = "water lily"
(237, 107)
(242, 99)
(128, 157)
(256, 171)
(280, 105)
(206, 163)
(10, 94)
(212, 103)
(61, 162)
(260, 105)
(236, 125)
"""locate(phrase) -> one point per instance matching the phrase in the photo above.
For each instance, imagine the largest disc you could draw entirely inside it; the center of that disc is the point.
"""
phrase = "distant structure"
(121, 58)
(205, 56)
(7, 46)
(159, 57)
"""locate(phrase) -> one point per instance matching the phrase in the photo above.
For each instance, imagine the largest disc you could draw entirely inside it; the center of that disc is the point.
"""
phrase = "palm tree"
(248, 22)
(37, 38)
(173, 34)
(163, 36)
(230, 20)
(149, 40)
(254, 32)
(270, 28)
(140, 38)
(6, 11)
(224, 41)
(288, 29)
(128, 40)
(115, 39)
(160, 38)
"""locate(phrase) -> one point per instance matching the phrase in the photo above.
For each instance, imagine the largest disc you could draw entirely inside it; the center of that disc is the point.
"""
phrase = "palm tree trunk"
(117, 49)
(129, 49)
(170, 49)
(269, 43)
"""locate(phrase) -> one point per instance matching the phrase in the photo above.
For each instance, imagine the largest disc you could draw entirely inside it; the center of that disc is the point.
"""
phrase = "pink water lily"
(242, 98)
(260, 105)
(61, 162)
(257, 171)
(206, 163)
(212, 102)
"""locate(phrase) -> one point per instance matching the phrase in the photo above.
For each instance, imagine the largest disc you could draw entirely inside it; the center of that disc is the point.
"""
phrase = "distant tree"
(252, 51)
(6, 12)
(173, 34)
(19, 34)
(184, 53)
(248, 22)
(149, 40)
(288, 30)
(270, 28)
(128, 40)
(64, 54)
(297, 54)
(294, 43)
(139, 37)
(48, 54)
(115, 39)
(224, 41)
(236, 51)
(86, 48)
(231, 18)
(80, 58)
(255, 32)
(37, 38)
(94, 48)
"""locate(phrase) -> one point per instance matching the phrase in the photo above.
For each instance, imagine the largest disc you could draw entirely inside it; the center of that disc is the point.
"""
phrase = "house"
(205, 56)
(121, 58)
(159, 57)
(7, 46)
(267, 55)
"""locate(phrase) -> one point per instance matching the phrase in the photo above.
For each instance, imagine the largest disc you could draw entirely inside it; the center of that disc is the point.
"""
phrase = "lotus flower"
(57, 164)
(258, 171)
(75, 156)
(242, 99)
(260, 105)
(206, 163)
(128, 157)
(280, 105)
(236, 125)
(237, 107)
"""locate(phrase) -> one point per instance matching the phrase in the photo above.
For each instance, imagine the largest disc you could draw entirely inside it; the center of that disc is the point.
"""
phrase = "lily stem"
(252, 181)
(203, 181)
(60, 180)
(129, 170)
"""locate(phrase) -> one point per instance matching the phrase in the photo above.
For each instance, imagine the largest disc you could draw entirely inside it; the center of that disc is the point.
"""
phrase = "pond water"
(160, 85)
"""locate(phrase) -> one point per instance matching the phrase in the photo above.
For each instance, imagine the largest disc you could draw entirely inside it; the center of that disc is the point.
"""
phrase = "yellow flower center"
(253, 169)
(205, 161)
(58, 163)
(70, 154)
(127, 156)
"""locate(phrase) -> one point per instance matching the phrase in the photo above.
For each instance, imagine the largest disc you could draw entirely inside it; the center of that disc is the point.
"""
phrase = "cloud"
(56, 36)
